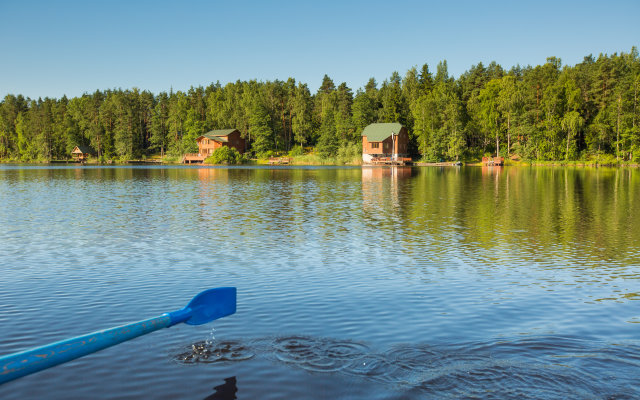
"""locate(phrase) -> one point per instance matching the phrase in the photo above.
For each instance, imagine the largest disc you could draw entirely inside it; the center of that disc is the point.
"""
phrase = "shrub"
(296, 151)
(607, 159)
(350, 153)
(224, 155)
(263, 155)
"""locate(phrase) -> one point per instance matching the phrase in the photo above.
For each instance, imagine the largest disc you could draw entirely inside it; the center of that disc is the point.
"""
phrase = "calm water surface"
(358, 283)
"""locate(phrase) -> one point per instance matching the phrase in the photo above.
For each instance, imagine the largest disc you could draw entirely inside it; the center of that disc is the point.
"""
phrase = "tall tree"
(160, 124)
(392, 101)
(488, 103)
(509, 102)
(302, 114)
(260, 128)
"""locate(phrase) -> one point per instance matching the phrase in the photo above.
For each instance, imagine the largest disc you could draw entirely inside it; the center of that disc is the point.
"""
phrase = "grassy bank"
(312, 158)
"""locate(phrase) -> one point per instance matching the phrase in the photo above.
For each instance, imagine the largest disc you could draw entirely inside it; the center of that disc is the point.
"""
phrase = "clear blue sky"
(51, 48)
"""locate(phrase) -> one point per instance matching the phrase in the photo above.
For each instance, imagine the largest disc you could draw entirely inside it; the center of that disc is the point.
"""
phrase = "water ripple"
(210, 352)
(532, 367)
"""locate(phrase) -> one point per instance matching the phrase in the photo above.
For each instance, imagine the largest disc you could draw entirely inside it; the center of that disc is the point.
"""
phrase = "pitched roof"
(219, 132)
(218, 135)
(379, 132)
(82, 149)
(216, 138)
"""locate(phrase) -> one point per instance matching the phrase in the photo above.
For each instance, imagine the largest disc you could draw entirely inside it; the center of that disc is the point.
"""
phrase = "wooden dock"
(193, 158)
(390, 161)
(439, 164)
(147, 161)
(279, 160)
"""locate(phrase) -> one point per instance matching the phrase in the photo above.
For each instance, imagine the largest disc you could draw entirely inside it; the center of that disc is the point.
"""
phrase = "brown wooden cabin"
(213, 140)
(385, 143)
(81, 153)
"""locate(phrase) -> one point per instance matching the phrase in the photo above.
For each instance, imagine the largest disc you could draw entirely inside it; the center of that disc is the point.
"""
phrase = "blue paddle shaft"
(27, 362)
(204, 307)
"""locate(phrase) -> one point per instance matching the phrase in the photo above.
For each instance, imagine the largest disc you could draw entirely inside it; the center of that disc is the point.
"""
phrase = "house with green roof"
(81, 153)
(212, 140)
(384, 141)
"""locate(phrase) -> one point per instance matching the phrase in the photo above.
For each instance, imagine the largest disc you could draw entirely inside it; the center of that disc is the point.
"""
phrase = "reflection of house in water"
(490, 170)
(206, 174)
(381, 186)
(498, 175)
(214, 193)
(378, 173)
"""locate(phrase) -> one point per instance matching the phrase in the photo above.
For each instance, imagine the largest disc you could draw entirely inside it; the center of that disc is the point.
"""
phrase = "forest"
(548, 112)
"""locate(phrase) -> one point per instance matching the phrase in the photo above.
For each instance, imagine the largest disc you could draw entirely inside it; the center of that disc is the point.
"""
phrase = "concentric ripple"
(210, 352)
(533, 367)
(317, 354)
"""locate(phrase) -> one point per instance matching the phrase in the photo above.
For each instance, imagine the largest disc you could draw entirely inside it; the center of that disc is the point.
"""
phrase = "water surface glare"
(359, 283)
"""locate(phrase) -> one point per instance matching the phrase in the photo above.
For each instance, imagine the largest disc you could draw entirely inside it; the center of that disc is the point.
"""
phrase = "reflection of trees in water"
(381, 189)
(267, 205)
(560, 218)
(548, 217)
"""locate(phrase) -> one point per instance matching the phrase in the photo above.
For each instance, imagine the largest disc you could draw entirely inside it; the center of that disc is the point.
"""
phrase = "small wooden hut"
(81, 153)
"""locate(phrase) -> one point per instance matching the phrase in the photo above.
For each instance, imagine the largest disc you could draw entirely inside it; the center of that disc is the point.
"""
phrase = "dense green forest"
(546, 112)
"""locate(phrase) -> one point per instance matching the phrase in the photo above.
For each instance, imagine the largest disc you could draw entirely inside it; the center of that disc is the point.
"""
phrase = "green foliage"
(224, 155)
(545, 112)
(301, 123)
(350, 153)
(260, 130)
(364, 110)
(296, 151)
(328, 141)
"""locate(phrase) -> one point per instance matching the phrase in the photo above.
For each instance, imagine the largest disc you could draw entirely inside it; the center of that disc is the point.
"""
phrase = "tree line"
(546, 112)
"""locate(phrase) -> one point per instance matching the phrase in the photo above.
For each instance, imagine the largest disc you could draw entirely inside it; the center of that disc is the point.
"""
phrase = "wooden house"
(385, 143)
(212, 140)
(81, 153)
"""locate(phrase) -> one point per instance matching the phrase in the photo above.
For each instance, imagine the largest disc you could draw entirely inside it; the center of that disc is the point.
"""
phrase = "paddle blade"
(212, 304)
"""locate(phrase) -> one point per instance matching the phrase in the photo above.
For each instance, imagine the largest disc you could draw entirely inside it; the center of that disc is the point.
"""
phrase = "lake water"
(355, 283)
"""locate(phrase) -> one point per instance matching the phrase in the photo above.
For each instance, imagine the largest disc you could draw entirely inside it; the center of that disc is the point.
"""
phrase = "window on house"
(375, 145)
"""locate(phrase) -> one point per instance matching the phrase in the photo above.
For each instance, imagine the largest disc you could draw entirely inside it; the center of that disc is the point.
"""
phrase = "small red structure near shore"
(492, 160)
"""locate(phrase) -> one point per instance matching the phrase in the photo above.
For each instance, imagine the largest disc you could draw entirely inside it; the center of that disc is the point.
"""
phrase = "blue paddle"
(205, 307)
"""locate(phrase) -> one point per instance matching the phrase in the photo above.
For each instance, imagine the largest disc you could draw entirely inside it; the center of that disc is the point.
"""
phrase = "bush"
(171, 159)
(607, 159)
(224, 155)
(635, 150)
(350, 153)
(296, 151)
(263, 155)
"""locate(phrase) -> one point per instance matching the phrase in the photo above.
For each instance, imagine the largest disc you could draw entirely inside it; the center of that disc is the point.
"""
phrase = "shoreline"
(156, 162)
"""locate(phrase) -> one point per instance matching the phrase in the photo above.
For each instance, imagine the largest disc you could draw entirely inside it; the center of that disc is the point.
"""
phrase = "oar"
(205, 307)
